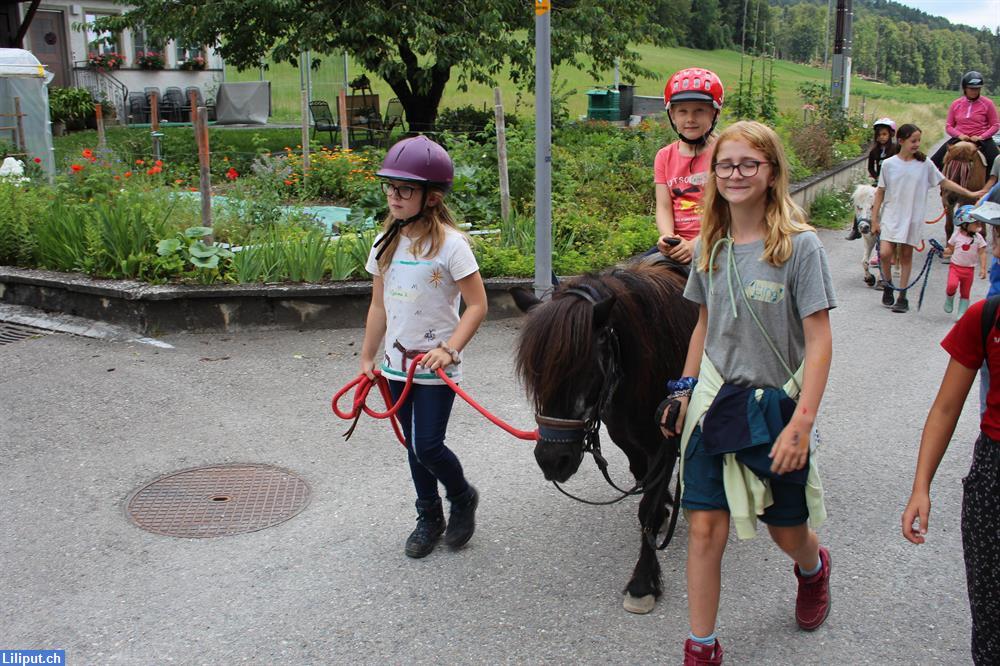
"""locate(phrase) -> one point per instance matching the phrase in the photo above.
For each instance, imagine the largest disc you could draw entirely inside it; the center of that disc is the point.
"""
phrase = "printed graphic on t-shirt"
(766, 291)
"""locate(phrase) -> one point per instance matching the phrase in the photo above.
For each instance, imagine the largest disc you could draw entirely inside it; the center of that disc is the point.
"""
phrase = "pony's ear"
(524, 299)
(602, 311)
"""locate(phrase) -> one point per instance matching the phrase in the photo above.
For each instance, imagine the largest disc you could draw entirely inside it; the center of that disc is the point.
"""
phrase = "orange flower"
(288, 182)
(158, 163)
(225, 159)
(118, 177)
(77, 168)
(193, 189)
(139, 162)
(127, 174)
(179, 181)
(88, 153)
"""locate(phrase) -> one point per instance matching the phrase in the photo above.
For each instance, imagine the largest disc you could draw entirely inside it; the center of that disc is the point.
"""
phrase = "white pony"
(864, 198)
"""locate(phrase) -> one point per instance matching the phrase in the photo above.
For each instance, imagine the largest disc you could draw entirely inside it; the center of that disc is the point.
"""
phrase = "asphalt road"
(86, 422)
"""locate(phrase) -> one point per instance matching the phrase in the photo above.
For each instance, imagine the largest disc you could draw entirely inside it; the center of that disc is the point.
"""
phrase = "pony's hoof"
(870, 280)
(639, 605)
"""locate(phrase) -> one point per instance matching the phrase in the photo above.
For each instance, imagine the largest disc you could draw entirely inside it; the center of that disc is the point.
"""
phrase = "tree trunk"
(420, 103)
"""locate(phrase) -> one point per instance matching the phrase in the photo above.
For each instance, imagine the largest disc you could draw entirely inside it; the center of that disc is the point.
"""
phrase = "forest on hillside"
(892, 42)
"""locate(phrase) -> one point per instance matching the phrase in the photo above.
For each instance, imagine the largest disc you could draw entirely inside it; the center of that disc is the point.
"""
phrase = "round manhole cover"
(218, 501)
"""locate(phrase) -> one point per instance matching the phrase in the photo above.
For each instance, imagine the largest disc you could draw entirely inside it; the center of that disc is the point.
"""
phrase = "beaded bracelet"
(682, 384)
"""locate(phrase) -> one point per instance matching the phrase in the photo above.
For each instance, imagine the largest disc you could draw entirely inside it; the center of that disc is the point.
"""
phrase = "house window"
(188, 52)
(100, 41)
(142, 42)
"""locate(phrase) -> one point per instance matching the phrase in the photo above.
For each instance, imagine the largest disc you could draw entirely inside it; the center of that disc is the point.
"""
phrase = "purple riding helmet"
(420, 160)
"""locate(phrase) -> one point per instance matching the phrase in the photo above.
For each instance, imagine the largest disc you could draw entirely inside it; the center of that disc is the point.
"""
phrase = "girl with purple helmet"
(422, 267)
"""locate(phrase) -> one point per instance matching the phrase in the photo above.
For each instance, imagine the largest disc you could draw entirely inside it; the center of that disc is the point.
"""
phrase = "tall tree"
(415, 46)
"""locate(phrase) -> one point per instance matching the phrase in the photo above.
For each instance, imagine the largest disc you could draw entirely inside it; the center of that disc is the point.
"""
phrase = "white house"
(62, 37)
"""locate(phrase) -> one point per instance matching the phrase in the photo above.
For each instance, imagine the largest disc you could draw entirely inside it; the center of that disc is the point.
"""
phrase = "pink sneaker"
(696, 654)
(873, 261)
(812, 604)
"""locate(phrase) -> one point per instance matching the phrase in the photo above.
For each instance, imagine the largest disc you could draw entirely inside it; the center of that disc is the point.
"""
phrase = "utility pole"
(840, 82)
(543, 147)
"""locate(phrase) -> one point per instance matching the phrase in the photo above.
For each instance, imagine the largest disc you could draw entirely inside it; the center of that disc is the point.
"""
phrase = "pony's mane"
(558, 336)
(864, 196)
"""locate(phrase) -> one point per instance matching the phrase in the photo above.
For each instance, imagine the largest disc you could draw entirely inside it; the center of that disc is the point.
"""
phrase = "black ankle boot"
(430, 526)
(462, 521)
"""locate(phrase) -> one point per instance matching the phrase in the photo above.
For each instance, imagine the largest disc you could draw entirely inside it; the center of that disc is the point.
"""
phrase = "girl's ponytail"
(904, 133)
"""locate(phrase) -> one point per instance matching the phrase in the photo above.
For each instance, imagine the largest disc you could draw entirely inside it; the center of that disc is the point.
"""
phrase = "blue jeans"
(424, 418)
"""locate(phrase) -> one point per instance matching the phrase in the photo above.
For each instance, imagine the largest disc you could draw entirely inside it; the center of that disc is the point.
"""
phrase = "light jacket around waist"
(747, 494)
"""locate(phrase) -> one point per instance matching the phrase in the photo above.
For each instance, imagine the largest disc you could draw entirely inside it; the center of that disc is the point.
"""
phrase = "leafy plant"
(70, 104)
(105, 61)
(150, 60)
(831, 209)
(305, 256)
(61, 238)
(190, 246)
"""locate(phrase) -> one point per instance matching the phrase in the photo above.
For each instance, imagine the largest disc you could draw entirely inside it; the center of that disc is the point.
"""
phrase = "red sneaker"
(696, 654)
(812, 604)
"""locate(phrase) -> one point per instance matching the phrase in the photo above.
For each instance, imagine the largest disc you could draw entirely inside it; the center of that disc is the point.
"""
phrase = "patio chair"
(323, 119)
(138, 108)
(174, 104)
(148, 92)
(199, 100)
(393, 119)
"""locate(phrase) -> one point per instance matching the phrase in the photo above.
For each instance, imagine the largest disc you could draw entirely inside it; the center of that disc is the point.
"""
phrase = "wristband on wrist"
(455, 358)
(682, 384)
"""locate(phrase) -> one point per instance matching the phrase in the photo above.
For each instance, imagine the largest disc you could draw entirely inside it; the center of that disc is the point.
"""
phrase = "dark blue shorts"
(704, 489)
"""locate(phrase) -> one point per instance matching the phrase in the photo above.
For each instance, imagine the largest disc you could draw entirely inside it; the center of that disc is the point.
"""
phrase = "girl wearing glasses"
(759, 355)
(694, 100)
(422, 266)
(902, 185)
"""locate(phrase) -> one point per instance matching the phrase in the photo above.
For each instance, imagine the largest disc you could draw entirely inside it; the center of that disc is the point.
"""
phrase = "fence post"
(305, 134)
(193, 101)
(342, 116)
(19, 123)
(102, 142)
(205, 173)
(502, 155)
(154, 119)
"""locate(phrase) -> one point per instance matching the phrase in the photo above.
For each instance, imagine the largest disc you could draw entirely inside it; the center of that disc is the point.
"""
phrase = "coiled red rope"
(362, 386)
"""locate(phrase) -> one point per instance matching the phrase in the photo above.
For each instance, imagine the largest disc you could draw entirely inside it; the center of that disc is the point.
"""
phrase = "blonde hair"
(782, 216)
(428, 243)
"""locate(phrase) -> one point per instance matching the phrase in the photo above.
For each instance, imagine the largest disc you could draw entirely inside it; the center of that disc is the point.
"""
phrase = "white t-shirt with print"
(422, 297)
(904, 207)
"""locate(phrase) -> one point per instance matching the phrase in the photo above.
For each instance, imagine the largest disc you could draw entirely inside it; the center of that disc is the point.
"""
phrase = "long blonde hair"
(782, 216)
(428, 243)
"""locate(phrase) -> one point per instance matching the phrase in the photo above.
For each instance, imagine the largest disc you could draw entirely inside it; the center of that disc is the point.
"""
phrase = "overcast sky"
(976, 13)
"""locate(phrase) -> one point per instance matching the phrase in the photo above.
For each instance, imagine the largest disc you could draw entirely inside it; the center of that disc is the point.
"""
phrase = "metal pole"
(305, 135)
(543, 148)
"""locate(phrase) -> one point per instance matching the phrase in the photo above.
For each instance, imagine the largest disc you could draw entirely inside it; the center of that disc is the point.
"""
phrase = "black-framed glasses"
(747, 168)
(404, 192)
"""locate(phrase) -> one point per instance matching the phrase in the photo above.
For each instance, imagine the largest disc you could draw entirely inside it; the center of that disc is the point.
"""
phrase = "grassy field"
(904, 103)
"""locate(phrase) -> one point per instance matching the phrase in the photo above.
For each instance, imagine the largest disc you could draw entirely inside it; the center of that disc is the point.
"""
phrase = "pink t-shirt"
(685, 180)
(966, 249)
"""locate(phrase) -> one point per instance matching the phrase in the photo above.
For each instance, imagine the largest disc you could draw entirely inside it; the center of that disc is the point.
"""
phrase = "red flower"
(232, 174)
(158, 163)
(139, 162)
(288, 182)
(76, 167)
(88, 153)
(38, 160)
(127, 174)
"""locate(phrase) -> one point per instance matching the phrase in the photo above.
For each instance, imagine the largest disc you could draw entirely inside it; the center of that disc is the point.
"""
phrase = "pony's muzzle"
(559, 450)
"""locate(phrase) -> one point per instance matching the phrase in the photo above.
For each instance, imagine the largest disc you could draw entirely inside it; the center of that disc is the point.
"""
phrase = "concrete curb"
(159, 309)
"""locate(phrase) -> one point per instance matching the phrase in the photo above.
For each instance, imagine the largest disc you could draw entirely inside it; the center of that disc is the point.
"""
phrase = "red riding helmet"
(695, 84)
(420, 160)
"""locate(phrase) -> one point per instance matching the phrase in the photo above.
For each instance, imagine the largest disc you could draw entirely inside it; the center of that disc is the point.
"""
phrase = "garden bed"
(159, 309)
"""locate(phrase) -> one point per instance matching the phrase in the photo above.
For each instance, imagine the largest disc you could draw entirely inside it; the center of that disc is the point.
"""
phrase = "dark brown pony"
(965, 165)
(601, 351)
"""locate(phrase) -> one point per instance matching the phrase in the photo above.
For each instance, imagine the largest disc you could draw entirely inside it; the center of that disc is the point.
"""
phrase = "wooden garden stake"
(205, 181)
(502, 156)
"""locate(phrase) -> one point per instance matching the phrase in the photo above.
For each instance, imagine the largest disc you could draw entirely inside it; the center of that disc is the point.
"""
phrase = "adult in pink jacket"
(972, 117)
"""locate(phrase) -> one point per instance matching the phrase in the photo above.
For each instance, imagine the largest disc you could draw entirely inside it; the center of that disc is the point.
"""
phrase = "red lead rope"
(363, 385)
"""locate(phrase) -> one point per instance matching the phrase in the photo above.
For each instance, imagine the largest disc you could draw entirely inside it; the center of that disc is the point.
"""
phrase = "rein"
(362, 386)
(925, 272)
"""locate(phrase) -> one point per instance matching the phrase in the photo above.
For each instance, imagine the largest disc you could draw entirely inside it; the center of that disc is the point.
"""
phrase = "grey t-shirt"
(782, 296)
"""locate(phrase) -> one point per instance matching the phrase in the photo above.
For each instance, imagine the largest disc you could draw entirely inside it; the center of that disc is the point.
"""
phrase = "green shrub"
(831, 209)
(20, 207)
